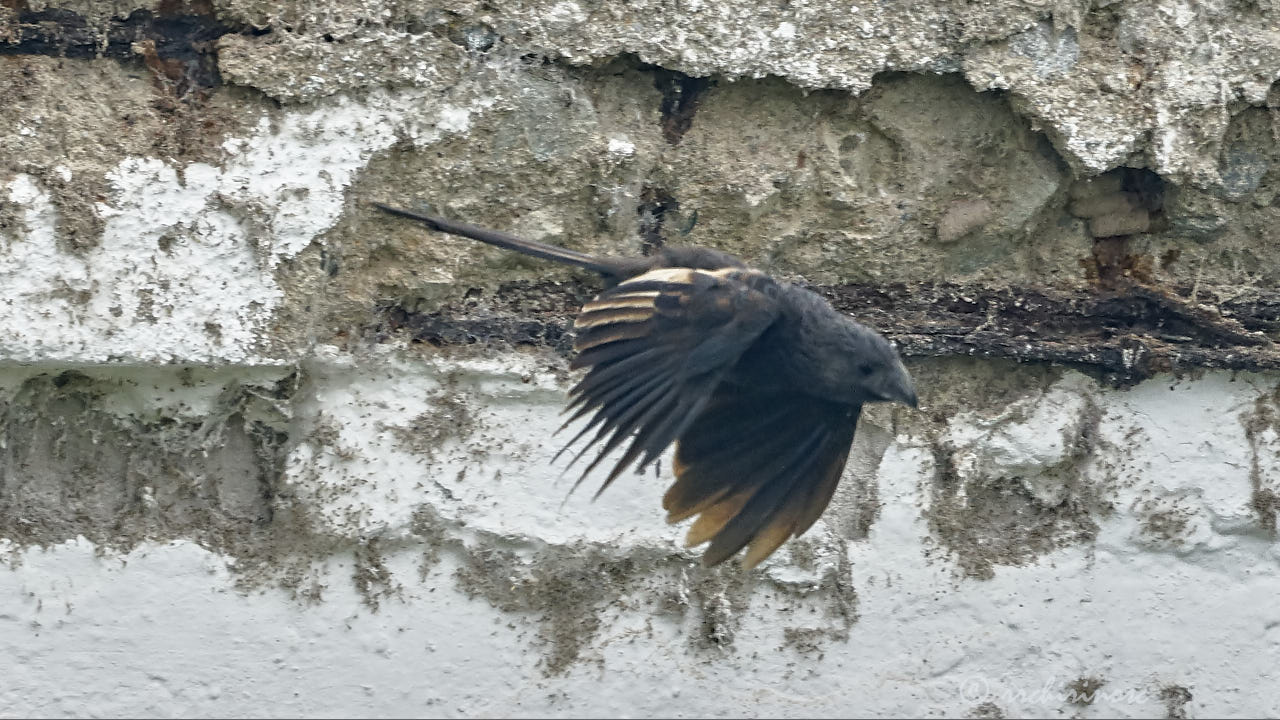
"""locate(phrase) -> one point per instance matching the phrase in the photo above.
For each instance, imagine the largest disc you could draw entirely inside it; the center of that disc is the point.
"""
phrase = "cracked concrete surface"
(1109, 81)
(259, 445)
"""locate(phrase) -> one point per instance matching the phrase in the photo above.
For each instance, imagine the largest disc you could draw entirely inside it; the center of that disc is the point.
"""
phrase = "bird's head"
(877, 372)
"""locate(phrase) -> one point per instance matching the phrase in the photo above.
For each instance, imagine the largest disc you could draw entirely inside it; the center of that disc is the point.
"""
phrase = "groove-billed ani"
(758, 382)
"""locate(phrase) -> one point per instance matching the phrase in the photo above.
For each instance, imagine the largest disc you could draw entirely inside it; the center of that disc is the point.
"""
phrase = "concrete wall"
(265, 451)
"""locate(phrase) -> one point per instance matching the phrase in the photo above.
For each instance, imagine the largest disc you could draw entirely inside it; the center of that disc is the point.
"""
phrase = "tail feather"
(604, 266)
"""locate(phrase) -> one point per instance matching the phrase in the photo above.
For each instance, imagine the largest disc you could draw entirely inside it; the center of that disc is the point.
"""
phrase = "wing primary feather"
(621, 295)
(607, 353)
(725, 511)
(661, 278)
(623, 427)
(604, 373)
(725, 421)
(708, 466)
(758, 470)
(639, 389)
(671, 425)
(839, 443)
(744, 524)
(714, 518)
(776, 530)
(607, 401)
(612, 424)
(671, 430)
(786, 521)
(674, 516)
(609, 334)
(763, 473)
(593, 392)
(612, 316)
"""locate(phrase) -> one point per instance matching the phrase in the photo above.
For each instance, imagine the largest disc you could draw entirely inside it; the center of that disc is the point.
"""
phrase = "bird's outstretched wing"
(658, 345)
(758, 468)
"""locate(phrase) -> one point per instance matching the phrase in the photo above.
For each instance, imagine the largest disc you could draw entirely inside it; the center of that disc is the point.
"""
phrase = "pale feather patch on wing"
(771, 537)
(732, 273)
(606, 314)
(632, 303)
(675, 275)
(686, 512)
(713, 519)
(639, 298)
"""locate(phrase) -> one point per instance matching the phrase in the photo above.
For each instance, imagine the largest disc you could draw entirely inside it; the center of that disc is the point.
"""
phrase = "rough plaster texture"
(264, 451)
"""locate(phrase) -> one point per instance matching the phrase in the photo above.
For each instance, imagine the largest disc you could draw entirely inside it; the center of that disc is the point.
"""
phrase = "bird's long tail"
(602, 265)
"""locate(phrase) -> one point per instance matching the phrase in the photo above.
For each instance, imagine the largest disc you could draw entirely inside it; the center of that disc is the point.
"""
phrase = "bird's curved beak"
(910, 399)
(904, 390)
(907, 396)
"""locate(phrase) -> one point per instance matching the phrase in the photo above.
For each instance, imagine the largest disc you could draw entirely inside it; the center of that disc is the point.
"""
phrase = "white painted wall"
(164, 629)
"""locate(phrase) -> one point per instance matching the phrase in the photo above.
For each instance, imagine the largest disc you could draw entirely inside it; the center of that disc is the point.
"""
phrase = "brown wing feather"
(758, 469)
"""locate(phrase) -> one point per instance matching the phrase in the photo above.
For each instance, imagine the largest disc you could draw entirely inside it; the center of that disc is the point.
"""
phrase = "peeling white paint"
(1028, 441)
(384, 464)
(621, 147)
(172, 393)
(185, 267)
(1196, 612)
(501, 458)
(455, 119)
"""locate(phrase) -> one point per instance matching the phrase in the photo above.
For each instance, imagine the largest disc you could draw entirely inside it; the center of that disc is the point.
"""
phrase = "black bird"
(758, 382)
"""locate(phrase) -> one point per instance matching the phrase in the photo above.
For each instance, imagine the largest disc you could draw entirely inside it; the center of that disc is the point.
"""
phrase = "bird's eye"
(864, 370)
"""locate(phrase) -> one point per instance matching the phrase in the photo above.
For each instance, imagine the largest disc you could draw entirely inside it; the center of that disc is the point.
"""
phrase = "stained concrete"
(262, 446)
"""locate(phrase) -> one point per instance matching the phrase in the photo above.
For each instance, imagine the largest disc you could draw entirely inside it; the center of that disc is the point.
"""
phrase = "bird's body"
(759, 382)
